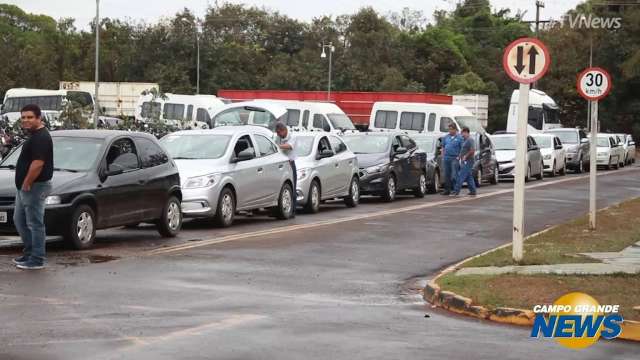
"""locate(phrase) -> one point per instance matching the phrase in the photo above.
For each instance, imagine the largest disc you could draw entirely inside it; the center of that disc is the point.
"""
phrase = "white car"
(553, 154)
(610, 154)
(631, 150)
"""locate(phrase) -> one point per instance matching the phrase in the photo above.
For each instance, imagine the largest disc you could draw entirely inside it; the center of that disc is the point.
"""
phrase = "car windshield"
(368, 144)
(504, 142)
(603, 142)
(426, 143)
(567, 137)
(192, 147)
(303, 145)
(544, 141)
(69, 154)
(245, 115)
(471, 122)
(15, 104)
(341, 122)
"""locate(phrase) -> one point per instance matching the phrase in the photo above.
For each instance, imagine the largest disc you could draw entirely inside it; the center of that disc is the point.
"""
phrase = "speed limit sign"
(594, 83)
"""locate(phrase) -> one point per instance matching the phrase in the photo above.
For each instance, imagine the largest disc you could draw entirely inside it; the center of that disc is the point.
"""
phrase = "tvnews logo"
(590, 21)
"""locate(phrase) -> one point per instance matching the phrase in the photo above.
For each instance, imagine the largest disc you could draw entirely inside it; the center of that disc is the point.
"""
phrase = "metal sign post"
(593, 84)
(525, 61)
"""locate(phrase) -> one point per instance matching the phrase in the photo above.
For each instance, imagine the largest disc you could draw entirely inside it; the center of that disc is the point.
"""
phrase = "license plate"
(3, 217)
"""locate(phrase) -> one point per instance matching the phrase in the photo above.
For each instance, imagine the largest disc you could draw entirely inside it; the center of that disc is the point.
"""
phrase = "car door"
(248, 175)
(535, 158)
(401, 163)
(584, 147)
(155, 183)
(345, 160)
(272, 169)
(328, 168)
(120, 195)
(485, 155)
(417, 160)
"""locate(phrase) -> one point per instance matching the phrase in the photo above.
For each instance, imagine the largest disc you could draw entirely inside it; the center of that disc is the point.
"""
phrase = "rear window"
(386, 119)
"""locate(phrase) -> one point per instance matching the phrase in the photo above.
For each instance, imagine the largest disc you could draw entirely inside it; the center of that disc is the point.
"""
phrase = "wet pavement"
(341, 284)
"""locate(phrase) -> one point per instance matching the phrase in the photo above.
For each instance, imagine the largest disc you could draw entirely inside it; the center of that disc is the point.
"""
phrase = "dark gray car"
(576, 145)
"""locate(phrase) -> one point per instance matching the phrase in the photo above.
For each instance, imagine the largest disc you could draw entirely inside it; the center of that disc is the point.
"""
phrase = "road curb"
(459, 304)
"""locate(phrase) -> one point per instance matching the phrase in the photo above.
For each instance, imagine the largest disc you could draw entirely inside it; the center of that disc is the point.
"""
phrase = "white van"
(544, 113)
(52, 103)
(420, 117)
(314, 116)
(177, 110)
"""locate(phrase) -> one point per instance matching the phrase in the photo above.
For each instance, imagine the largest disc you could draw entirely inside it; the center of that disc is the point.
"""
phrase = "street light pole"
(96, 108)
(324, 55)
(197, 61)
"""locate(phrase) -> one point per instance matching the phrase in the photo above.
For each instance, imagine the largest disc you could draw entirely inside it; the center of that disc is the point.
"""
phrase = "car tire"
(554, 173)
(353, 199)
(496, 176)
(170, 223)
(563, 171)
(434, 187)
(313, 198)
(421, 190)
(609, 166)
(528, 176)
(81, 229)
(390, 189)
(284, 210)
(540, 176)
(478, 177)
(580, 168)
(226, 208)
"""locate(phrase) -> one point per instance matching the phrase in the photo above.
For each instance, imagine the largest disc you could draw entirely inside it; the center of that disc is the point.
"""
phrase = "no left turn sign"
(594, 83)
(526, 60)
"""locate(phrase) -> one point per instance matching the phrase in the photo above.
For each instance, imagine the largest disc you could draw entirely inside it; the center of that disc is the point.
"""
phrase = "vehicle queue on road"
(107, 178)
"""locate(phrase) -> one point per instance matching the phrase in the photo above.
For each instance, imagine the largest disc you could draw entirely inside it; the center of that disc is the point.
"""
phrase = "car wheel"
(540, 176)
(421, 190)
(563, 171)
(478, 178)
(284, 210)
(226, 209)
(313, 199)
(353, 199)
(495, 178)
(170, 223)
(609, 166)
(580, 168)
(390, 191)
(434, 187)
(553, 170)
(81, 230)
(617, 165)
(528, 177)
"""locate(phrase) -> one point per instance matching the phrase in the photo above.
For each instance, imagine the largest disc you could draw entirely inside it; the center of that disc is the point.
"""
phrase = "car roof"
(98, 133)
(562, 129)
(225, 130)
(375, 133)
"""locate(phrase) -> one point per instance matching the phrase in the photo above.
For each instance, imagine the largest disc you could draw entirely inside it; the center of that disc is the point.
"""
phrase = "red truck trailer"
(356, 104)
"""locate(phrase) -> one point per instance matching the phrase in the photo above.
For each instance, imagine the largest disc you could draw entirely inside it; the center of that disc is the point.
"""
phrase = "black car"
(485, 166)
(389, 163)
(430, 144)
(102, 179)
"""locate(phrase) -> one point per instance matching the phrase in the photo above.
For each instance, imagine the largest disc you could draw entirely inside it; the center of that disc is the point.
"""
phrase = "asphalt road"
(341, 284)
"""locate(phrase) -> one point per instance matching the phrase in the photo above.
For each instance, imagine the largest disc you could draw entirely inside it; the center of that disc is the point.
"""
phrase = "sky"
(152, 10)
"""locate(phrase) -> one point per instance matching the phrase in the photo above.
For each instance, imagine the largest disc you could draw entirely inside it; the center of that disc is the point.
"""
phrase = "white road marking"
(249, 235)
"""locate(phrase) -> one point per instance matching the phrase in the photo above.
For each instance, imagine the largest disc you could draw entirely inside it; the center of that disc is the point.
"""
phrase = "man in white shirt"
(286, 141)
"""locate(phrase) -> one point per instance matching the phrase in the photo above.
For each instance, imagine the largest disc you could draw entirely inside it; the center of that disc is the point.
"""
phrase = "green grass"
(618, 228)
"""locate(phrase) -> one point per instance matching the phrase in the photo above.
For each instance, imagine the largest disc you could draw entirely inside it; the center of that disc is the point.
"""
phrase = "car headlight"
(547, 157)
(200, 181)
(53, 200)
(376, 169)
(303, 173)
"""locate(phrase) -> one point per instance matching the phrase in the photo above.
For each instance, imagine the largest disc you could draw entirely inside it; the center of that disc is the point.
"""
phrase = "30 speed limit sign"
(594, 83)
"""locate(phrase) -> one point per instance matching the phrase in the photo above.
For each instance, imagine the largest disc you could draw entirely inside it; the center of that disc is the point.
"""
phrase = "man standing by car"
(451, 147)
(34, 171)
(286, 142)
(466, 164)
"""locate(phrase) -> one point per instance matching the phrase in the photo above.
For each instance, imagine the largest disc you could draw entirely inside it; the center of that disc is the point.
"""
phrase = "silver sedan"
(327, 169)
(229, 169)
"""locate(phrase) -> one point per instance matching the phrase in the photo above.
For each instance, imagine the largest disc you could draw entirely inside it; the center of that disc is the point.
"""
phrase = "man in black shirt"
(34, 171)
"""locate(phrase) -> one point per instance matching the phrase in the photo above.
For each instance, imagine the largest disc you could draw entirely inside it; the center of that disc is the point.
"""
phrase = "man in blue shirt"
(466, 164)
(451, 147)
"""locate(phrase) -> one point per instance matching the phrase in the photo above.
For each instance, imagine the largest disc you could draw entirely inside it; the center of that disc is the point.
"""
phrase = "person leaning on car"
(286, 141)
(34, 171)
(451, 147)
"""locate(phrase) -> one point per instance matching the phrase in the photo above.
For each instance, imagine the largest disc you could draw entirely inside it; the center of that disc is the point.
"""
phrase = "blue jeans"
(28, 218)
(451, 166)
(466, 175)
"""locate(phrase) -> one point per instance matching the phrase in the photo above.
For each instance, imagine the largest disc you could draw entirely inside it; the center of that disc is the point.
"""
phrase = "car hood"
(546, 151)
(60, 182)
(367, 160)
(570, 147)
(193, 168)
(505, 155)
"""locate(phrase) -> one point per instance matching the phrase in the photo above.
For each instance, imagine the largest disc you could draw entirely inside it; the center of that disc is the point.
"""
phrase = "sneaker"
(20, 260)
(31, 265)
(472, 194)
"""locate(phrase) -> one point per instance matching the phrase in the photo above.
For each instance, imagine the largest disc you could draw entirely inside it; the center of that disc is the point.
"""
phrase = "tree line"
(244, 47)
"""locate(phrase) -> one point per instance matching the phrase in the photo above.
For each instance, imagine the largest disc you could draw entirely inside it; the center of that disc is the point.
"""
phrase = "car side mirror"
(584, 141)
(112, 172)
(244, 155)
(326, 153)
(326, 127)
(401, 150)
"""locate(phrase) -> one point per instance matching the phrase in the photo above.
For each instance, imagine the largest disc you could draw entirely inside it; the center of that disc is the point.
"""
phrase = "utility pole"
(96, 107)
(539, 4)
